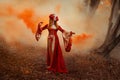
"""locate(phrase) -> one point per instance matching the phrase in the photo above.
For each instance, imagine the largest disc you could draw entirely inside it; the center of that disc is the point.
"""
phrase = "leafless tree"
(113, 34)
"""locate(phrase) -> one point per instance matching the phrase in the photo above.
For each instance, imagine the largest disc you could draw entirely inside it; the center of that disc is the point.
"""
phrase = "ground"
(23, 62)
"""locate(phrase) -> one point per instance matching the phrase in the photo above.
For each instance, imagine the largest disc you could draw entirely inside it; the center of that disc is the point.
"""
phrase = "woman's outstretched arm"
(61, 29)
(39, 30)
(67, 38)
(44, 27)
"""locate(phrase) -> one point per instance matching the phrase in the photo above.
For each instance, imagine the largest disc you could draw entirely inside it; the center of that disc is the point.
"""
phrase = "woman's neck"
(53, 26)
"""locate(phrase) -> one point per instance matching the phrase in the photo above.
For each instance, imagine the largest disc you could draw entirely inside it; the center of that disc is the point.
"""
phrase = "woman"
(55, 61)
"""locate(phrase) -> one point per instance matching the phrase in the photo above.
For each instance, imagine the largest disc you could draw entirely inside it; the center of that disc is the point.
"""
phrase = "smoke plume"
(19, 19)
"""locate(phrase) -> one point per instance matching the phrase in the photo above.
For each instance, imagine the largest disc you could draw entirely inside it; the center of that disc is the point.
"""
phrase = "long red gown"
(53, 47)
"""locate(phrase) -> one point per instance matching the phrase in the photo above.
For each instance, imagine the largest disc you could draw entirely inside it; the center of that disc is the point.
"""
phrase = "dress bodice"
(52, 31)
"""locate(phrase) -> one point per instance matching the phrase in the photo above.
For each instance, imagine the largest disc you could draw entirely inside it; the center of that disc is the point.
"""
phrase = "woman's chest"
(53, 27)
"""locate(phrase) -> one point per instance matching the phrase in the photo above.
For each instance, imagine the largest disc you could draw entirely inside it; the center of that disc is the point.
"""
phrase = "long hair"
(52, 22)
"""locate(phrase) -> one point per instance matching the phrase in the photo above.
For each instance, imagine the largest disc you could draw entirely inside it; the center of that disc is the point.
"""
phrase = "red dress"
(53, 47)
(56, 62)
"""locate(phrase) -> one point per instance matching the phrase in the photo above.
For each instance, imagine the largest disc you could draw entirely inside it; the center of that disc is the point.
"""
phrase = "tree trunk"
(92, 6)
(113, 34)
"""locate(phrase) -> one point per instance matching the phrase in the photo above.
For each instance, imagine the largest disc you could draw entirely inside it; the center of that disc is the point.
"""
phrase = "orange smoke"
(30, 19)
(106, 3)
(6, 10)
(80, 39)
(57, 8)
(28, 16)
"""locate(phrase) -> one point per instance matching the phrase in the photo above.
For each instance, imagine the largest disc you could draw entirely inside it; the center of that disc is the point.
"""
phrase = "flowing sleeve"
(45, 27)
(39, 31)
(59, 28)
(67, 40)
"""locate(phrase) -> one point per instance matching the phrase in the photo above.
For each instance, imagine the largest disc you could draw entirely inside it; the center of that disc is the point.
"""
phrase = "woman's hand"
(37, 36)
(40, 23)
(39, 30)
(71, 33)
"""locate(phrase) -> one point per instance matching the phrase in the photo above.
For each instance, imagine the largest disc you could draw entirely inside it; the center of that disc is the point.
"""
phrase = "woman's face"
(51, 21)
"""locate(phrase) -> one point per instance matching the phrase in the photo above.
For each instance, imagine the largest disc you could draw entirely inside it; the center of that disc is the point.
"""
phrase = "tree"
(92, 5)
(113, 34)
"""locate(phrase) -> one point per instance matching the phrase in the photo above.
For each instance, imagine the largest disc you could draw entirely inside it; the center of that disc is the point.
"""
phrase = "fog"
(19, 19)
